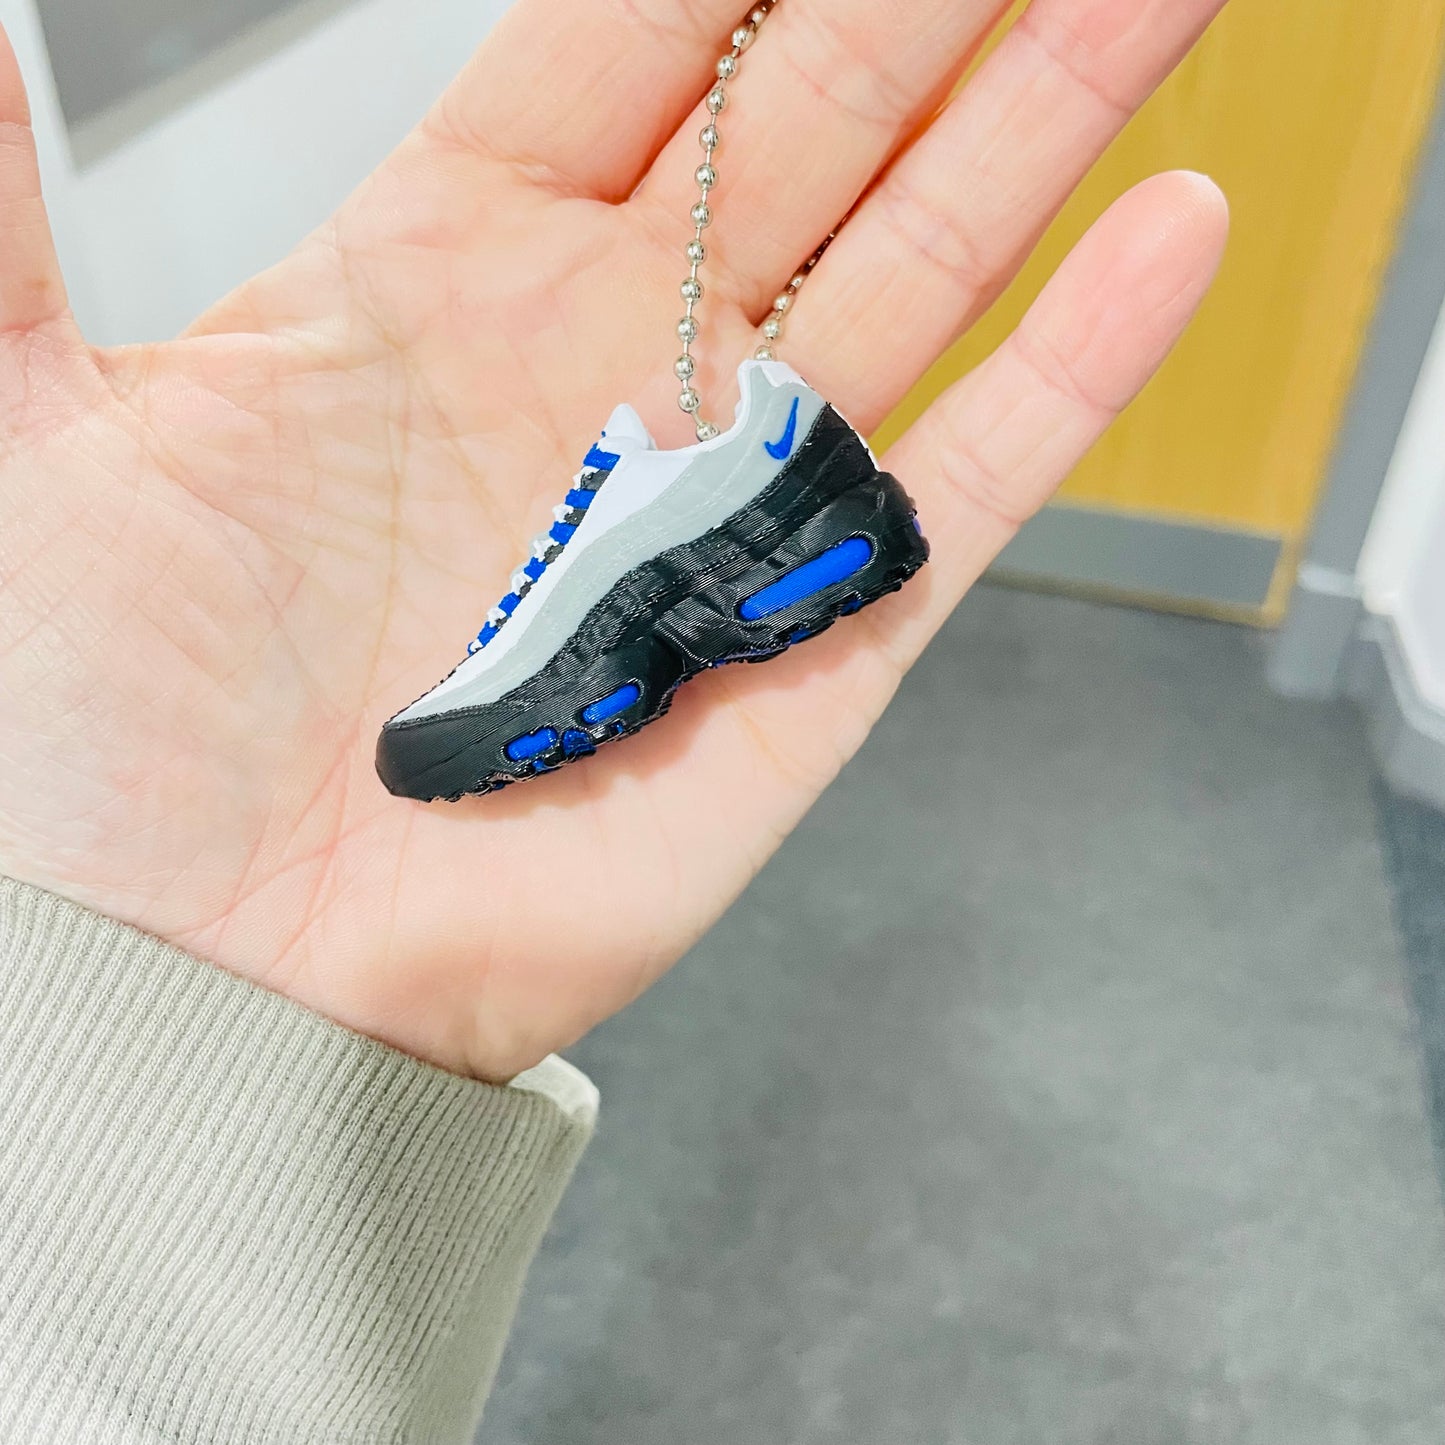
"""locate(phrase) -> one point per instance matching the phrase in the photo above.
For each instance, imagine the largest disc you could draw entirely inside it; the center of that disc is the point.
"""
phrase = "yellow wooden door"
(1310, 114)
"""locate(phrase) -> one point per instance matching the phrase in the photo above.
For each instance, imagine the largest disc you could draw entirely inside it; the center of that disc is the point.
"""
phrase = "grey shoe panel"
(705, 494)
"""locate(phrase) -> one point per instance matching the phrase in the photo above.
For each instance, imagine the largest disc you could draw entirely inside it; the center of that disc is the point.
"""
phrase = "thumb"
(32, 292)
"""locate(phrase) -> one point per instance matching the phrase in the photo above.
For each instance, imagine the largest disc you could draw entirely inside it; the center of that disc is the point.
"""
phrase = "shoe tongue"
(625, 430)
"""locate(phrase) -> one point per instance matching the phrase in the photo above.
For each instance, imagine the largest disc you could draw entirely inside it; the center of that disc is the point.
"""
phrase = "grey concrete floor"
(1057, 1084)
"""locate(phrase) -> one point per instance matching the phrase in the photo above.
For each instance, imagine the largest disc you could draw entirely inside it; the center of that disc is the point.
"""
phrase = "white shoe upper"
(650, 501)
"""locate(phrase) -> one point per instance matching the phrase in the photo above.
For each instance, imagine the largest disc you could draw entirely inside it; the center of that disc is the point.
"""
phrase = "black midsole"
(674, 616)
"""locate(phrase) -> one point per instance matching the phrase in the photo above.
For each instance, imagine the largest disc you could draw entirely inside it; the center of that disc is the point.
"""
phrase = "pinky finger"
(993, 448)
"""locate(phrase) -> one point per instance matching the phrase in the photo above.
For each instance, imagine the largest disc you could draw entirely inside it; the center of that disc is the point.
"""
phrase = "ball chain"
(706, 176)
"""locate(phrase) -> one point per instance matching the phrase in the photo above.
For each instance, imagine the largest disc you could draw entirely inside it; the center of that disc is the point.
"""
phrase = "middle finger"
(825, 95)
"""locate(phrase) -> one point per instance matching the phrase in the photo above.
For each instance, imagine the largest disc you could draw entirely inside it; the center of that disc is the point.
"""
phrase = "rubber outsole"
(650, 652)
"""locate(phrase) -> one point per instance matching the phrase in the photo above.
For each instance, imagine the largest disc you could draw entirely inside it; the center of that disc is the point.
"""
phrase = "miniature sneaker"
(662, 564)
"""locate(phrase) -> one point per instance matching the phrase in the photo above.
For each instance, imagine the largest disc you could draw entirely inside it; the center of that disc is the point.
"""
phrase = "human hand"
(226, 559)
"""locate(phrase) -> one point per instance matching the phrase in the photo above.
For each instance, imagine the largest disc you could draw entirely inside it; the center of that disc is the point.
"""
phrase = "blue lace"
(595, 467)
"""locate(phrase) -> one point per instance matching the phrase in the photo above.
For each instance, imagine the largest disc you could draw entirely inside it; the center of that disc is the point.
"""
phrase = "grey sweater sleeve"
(224, 1219)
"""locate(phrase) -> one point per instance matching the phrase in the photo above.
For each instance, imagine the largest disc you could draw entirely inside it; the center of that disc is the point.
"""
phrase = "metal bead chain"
(706, 176)
(772, 328)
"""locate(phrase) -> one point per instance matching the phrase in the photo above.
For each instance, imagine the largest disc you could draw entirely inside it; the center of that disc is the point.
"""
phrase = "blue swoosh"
(780, 448)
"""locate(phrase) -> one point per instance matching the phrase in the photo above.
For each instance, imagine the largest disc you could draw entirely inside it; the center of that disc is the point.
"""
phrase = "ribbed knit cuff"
(225, 1219)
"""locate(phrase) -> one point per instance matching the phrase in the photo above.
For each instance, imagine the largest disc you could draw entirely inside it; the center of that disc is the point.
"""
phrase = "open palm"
(226, 559)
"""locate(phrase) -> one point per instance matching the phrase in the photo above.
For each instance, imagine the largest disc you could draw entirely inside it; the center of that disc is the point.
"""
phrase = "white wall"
(1402, 567)
(155, 230)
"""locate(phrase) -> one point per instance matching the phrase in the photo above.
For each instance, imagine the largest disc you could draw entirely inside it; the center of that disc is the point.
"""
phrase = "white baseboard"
(1407, 731)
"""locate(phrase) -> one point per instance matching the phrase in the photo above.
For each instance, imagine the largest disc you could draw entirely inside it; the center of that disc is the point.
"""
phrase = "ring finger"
(953, 218)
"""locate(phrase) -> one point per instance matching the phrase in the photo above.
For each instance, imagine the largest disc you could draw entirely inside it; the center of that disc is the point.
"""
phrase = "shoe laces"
(547, 546)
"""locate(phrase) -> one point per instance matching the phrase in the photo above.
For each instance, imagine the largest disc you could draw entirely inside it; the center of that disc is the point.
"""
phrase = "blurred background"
(1132, 1024)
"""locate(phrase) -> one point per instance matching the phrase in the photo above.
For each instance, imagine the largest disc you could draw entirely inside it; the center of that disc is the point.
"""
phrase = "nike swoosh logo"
(780, 448)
